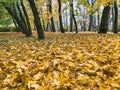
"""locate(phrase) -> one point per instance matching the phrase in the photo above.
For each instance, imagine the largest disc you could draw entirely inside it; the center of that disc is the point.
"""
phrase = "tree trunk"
(37, 20)
(104, 21)
(18, 20)
(91, 3)
(84, 22)
(76, 29)
(20, 13)
(90, 23)
(16, 15)
(51, 18)
(16, 8)
(60, 17)
(84, 26)
(115, 23)
(98, 19)
(73, 16)
(26, 17)
(71, 22)
(16, 25)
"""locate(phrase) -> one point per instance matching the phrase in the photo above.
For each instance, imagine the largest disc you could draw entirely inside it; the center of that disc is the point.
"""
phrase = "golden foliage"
(61, 62)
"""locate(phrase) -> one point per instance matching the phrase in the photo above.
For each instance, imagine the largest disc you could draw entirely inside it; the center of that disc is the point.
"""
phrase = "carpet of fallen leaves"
(61, 62)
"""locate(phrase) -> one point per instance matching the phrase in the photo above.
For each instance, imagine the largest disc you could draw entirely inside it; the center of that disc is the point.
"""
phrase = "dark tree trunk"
(90, 23)
(60, 17)
(73, 16)
(84, 26)
(53, 25)
(26, 17)
(71, 22)
(76, 29)
(91, 3)
(18, 20)
(112, 19)
(104, 21)
(84, 23)
(17, 17)
(16, 8)
(20, 13)
(98, 18)
(115, 23)
(16, 25)
(51, 18)
(38, 24)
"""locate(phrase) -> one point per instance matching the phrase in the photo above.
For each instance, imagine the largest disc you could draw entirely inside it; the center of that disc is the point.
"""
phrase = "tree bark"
(104, 21)
(60, 17)
(38, 24)
(18, 20)
(26, 17)
(115, 23)
(90, 23)
(73, 16)
(51, 18)
(91, 3)
(20, 13)
(71, 22)
(98, 19)
(16, 25)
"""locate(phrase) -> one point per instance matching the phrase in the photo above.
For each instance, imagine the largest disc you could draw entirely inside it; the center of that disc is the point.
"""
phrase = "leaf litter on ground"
(62, 62)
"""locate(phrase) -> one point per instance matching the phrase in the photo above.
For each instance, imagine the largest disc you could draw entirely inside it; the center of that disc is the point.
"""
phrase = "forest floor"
(83, 61)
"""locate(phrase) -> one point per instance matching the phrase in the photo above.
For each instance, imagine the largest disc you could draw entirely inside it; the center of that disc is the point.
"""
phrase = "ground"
(83, 61)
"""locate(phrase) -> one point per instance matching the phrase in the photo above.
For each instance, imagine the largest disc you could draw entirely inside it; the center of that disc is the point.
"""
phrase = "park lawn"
(83, 61)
